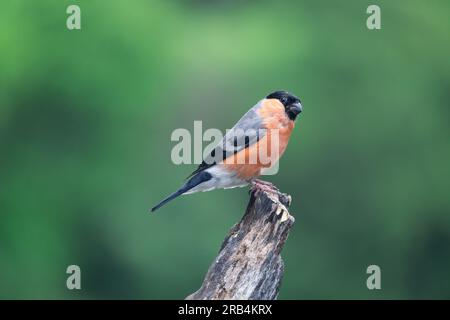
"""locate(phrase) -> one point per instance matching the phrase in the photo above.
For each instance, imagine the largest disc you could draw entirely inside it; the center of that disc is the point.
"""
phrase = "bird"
(237, 160)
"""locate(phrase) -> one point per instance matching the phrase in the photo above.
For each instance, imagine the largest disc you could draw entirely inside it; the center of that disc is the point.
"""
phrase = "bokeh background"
(86, 118)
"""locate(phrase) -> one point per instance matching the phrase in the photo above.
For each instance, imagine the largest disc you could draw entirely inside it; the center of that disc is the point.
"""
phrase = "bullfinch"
(254, 144)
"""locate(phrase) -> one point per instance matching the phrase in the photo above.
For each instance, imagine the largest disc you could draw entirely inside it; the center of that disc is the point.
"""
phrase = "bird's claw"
(281, 209)
(262, 185)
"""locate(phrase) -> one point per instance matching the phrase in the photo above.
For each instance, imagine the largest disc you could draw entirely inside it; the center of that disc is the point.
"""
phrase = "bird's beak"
(296, 108)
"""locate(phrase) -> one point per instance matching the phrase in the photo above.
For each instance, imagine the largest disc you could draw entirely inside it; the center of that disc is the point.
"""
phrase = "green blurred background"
(86, 118)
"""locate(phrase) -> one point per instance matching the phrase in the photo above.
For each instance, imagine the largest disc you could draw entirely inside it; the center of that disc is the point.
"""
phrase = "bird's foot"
(282, 200)
(260, 185)
(283, 211)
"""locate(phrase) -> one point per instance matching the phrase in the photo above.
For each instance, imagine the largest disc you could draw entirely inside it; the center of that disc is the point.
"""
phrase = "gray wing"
(246, 132)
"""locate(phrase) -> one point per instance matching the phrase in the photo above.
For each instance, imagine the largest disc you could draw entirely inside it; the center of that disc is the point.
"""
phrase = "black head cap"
(291, 103)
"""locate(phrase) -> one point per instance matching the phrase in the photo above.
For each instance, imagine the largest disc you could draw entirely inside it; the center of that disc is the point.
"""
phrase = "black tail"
(169, 198)
(191, 183)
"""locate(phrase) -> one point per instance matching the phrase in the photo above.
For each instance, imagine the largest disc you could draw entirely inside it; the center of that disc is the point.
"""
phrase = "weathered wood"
(249, 265)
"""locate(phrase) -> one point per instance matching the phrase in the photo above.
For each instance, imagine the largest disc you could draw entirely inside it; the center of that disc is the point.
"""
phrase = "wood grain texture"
(249, 265)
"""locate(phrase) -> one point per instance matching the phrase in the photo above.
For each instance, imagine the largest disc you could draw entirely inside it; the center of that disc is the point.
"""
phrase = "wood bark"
(249, 265)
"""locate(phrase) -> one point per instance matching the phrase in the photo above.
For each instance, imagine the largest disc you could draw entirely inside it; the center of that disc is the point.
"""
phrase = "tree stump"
(249, 265)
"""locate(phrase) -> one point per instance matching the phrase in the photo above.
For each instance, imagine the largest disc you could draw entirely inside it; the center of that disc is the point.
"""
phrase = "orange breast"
(249, 162)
